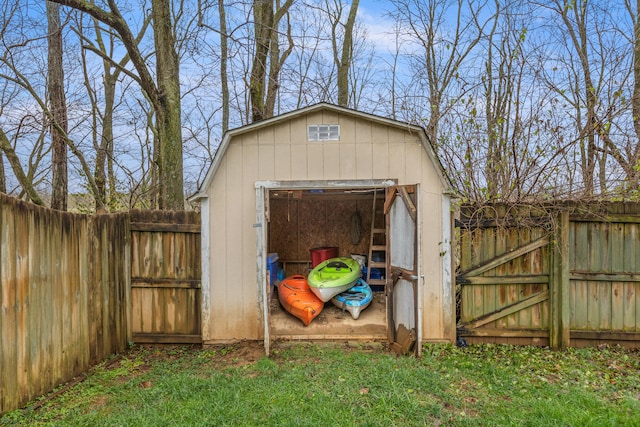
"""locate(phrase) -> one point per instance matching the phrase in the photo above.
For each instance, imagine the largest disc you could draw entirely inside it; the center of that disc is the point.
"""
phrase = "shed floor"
(331, 323)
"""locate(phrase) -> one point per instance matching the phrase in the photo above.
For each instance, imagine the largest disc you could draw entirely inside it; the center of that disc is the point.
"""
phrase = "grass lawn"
(341, 385)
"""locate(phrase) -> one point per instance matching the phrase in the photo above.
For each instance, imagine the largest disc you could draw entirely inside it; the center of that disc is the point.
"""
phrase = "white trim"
(301, 185)
(448, 293)
(420, 282)
(205, 281)
(261, 265)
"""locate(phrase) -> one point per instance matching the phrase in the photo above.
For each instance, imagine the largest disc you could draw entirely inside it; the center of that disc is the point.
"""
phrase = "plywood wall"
(298, 225)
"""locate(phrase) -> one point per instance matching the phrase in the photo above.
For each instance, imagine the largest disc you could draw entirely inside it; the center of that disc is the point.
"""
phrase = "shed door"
(402, 290)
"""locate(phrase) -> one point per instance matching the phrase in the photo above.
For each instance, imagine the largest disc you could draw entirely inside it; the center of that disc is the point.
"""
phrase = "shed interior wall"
(300, 221)
(298, 225)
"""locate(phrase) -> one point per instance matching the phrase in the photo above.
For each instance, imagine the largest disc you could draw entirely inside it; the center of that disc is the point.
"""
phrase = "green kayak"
(333, 276)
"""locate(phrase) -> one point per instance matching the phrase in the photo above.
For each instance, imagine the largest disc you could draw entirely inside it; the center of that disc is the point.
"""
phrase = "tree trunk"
(3, 180)
(347, 55)
(635, 99)
(58, 108)
(224, 54)
(263, 17)
(168, 120)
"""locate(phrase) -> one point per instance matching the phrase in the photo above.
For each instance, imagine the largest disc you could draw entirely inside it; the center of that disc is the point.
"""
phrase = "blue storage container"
(376, 273)
(272, 267)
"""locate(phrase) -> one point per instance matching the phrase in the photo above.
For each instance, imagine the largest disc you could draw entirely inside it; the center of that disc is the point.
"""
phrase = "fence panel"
(511, 282)
(503, 280)
(63, 302)
(165, 282)
(605, 276)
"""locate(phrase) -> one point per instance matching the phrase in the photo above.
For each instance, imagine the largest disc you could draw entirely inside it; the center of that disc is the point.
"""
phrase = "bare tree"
(443, 49)
(596, 72)
(263, 86)
(224, 56)
(102, 43)
(3, 178)
(27, 129)
(164, 95)
(633, 165)
(58, 108)
(343, 56)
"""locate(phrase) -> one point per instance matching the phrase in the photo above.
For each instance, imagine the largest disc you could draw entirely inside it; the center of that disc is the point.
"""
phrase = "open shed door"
(403, 300)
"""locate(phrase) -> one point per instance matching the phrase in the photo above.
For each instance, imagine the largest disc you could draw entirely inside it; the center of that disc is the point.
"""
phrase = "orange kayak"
(296, 297)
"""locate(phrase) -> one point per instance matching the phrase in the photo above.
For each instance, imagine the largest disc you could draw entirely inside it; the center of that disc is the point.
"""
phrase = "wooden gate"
(165, 277)
(570, 277)
(503, 283)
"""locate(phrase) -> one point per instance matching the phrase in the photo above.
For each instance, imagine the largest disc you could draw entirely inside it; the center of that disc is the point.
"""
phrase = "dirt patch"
(237, 354)
(141, 358)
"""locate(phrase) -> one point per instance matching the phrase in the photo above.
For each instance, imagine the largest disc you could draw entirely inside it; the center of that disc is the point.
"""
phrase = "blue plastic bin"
(272, 267)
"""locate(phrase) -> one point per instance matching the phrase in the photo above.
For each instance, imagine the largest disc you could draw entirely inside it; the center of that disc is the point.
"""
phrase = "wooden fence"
(64, 296)
(562, 277)
(165, 277)
(77, 288)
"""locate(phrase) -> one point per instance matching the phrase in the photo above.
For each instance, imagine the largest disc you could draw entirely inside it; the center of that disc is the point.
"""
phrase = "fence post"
(559, 336)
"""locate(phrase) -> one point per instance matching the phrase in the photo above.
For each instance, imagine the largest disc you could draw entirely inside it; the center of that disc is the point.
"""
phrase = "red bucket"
(321, 254)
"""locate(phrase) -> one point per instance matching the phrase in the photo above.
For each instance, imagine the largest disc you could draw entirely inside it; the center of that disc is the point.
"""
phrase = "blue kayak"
(355, 299)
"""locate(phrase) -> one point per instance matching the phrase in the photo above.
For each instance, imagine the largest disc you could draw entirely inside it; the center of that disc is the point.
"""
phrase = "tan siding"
(414, 163)
(217, 261)
(363, 132)
(266, 136)
(330, 117)
(298, 131)
(282, 152)
(245, 235)
(348, 157)
(233, 239)
(283, 162)
(266, 161)
(398, 162)
(364, 161)
(315, 118)
(282, 133)
(315, 161)
(331, 158)
(367, 150)
(299, 166)
(380, 133)
(432, 315)
(380, 161)
(347, 130)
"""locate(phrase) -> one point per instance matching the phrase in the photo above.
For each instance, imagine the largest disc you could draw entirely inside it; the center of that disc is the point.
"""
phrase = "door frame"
(262, 223)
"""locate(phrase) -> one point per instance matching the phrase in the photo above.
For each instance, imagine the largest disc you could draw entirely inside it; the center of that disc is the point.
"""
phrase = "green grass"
(332, 385)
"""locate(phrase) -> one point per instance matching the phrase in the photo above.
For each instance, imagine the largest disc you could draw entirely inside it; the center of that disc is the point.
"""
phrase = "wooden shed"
(327, 176)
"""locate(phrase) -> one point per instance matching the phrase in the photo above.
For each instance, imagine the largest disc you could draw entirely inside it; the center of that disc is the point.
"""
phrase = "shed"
(327, 176)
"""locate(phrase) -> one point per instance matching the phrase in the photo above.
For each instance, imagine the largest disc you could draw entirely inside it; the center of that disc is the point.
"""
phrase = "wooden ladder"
(378, 245)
